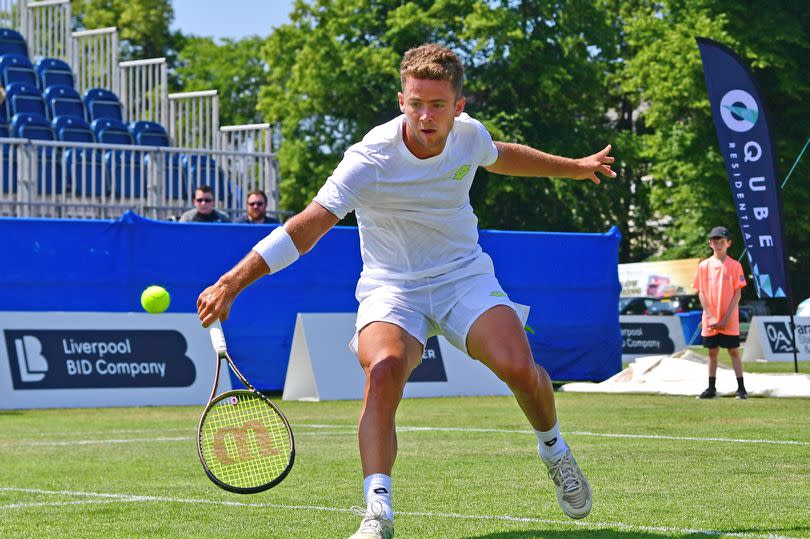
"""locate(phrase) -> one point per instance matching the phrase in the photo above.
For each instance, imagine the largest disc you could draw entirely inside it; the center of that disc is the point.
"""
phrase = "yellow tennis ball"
(155, 299)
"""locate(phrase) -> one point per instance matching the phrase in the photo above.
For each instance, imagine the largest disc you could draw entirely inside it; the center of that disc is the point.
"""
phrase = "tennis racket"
(244, 442)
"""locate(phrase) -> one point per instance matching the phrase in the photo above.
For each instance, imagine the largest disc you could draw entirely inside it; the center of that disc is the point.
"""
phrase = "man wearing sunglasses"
(204, 211)
(256, 208)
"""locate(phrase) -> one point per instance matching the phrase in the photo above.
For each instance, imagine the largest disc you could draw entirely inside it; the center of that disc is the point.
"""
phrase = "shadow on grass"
(614, 534)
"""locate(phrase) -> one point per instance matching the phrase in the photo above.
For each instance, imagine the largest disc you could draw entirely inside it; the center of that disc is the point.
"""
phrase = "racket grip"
(217, 337)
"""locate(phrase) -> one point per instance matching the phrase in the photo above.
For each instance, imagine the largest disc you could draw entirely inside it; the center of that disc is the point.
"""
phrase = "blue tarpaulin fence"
(569, 280)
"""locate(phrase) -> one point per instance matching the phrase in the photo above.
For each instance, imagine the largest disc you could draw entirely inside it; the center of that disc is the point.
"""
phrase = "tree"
(143, 25)
(535, 75)
(689, 179)
(567, 77)
(233, 68)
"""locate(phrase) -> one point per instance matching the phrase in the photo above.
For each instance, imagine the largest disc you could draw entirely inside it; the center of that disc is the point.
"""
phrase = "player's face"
(204, 202)
(430, 106)
(256, 207)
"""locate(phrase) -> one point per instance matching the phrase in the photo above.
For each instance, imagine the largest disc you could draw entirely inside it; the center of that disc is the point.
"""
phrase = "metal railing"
(48, 29)
(95, 59)
(145, 90)
(12, 14)
(84, 180)
(194, 119)
(253, 139)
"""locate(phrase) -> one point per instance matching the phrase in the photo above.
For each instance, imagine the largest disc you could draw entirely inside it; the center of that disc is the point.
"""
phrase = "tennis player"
(424, 273)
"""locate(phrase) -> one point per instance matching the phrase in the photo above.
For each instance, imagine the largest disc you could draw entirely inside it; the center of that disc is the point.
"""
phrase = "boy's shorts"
(721, 340)
(425, 308)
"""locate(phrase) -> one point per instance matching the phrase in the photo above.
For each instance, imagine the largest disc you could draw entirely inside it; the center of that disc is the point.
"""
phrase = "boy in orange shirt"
(719, 281)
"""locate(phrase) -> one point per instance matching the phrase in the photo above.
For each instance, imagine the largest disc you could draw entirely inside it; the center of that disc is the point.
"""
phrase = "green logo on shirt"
(461, 172)
(497, 294)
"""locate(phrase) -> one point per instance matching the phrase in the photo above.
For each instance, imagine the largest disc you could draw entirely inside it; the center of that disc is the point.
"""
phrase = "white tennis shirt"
(414, 215)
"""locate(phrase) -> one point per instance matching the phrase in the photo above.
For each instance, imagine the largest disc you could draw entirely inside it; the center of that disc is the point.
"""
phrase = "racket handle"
(217, 337)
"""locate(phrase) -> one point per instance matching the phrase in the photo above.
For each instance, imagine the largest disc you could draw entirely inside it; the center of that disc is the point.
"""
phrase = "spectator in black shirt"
(256, 208)
(204, 211)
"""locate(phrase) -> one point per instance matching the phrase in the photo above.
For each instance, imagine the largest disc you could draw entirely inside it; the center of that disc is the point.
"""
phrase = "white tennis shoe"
(573, 490)
(373, 526)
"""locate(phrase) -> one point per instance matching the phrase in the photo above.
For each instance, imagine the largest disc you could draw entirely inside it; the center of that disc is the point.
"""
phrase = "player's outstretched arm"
(304, 230)
(522, 160)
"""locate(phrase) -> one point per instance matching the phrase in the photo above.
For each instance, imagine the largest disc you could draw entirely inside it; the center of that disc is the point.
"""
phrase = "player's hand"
(597, 163)
(214, 303)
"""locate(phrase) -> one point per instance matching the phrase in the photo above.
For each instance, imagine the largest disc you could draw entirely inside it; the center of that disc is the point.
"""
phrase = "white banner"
(322, 367)
(769, 339)
(650, 336)
(73, 359)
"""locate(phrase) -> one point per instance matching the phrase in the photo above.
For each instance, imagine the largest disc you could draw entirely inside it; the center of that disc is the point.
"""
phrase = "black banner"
(646, 338)
(65, 359)
(432, 367)
(745, 142)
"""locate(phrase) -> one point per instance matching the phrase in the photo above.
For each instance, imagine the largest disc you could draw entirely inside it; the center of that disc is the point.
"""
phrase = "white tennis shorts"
(448, 305)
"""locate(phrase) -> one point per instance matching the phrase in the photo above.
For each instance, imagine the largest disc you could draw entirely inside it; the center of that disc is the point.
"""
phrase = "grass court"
(467, 468)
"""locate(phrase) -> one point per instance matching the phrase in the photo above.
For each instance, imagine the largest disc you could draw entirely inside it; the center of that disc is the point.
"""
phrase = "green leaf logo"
(744, 112)
(461, 172)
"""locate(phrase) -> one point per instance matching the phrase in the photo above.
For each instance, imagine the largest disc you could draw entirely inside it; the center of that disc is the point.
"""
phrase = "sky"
(230, 18)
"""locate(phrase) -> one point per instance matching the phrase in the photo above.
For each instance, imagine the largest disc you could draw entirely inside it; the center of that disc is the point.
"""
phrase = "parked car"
(804, 308)
(674, 304)
(635, 305)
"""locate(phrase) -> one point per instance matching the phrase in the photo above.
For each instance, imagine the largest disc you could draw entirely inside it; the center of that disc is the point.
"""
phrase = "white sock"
(377, 488)
(551, 445)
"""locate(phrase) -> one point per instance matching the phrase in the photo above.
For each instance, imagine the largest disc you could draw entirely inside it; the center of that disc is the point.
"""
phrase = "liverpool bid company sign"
(79, 359)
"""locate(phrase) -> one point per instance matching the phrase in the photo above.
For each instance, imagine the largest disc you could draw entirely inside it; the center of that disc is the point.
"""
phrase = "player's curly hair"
(434, 62)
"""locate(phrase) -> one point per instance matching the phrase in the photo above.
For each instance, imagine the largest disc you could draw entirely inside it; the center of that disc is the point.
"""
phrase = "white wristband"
(277, 249)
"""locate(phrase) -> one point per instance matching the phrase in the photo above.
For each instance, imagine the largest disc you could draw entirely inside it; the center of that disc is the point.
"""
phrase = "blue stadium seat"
(154, 134)
(72, 129)
(110, 131)
(16, 68)
(11, 42)
(203, 170)
(24, 98)
(83, 165)
(53, 71)
(149, 133)
(123, 166)
(101, 103)
(4, 119)
(31, 126)
(64, 101)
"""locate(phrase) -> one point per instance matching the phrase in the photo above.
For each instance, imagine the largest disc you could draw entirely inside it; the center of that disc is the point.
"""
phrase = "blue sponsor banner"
(745, 142)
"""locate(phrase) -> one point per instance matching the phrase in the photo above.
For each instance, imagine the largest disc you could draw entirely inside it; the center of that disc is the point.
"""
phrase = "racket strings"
(244, 442)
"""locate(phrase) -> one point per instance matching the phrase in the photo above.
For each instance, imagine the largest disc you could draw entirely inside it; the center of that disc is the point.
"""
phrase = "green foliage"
(232, 67)
(566, 77)
(143, 24)
(534, 75)
(665, 70)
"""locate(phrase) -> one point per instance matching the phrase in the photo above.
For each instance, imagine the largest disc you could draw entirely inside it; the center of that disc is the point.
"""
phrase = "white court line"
(95, 442)
(111, 498)
(580, 433)
(351, 429)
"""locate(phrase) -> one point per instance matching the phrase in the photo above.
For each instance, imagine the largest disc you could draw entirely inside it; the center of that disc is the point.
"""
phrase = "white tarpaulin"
(685, 373)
